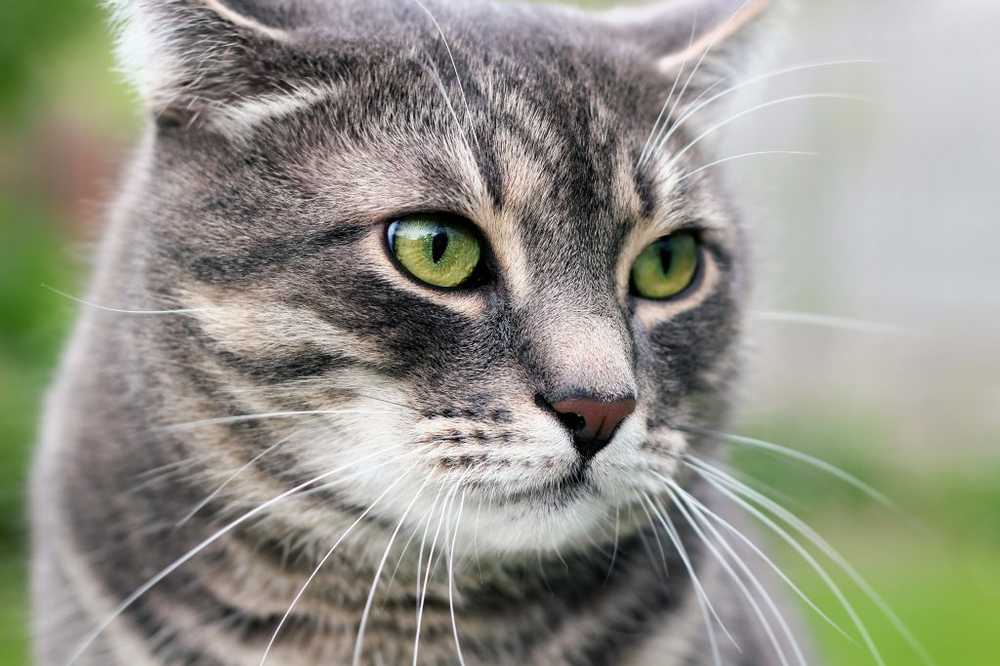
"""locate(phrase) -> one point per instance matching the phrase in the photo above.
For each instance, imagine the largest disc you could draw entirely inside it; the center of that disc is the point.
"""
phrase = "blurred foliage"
(32, 30)
(55, 62)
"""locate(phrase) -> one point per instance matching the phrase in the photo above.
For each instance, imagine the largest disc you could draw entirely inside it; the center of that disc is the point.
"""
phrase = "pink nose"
(592, 422)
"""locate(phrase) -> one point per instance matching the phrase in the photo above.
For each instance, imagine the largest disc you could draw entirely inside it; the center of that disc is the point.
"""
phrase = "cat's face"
(442, 260)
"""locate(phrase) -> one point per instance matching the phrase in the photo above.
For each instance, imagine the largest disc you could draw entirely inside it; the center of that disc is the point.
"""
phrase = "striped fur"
(283, 136)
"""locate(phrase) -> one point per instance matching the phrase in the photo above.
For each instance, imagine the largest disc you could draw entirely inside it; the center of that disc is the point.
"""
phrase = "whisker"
(451, 581)
(800, 456)
(670, 96)
(383, 400)
(817, 540)
(614, 551)
(659, 543)
(704, 510)
(359, 641)
(427, 574)
(454, 67)
(757, 153)
(714, 476)
(697, 105)
(232, 477)
(707, 610)
(152, 582)
(242, 418)
(406, 546)
(758, 107)
(835, 322)
(711, 45)
(319, 566)
(423, 539)
(105, 308)
(679, 496)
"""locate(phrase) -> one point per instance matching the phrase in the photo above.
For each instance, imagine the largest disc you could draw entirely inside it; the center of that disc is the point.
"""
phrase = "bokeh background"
(895, 222)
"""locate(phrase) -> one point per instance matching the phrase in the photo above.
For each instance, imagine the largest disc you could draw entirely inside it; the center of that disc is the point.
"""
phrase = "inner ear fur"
(183, 56)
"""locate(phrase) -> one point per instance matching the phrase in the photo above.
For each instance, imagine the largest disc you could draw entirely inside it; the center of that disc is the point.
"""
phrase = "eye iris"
(667, 267)
(435, 250)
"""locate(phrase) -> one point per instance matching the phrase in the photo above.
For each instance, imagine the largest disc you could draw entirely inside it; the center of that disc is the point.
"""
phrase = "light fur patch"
(238, 122)
(252, 325)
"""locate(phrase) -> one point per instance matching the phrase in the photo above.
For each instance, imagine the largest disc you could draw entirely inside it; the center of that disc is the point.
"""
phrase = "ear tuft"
(178, 52)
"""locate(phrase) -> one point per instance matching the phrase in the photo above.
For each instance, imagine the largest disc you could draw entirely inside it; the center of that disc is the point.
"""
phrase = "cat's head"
(472, 238)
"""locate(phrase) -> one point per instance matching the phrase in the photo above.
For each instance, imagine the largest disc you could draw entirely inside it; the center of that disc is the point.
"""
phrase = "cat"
(404, 344)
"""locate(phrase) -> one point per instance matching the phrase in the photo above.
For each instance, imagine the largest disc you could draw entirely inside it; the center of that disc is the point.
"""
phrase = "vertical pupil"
(666, 257)
(439, 244)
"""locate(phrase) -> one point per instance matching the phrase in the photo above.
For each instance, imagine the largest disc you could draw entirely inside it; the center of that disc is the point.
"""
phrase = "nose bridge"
(572, 348)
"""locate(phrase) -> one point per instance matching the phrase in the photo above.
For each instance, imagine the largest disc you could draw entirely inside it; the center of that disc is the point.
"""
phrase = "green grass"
(947, 596)
(33, 323)
(934, 561)
(13, 613)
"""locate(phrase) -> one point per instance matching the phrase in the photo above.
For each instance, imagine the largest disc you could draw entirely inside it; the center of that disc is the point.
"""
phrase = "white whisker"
(719, 481)
(800, 456)
(152, 582)
(454, 67)
(697, 105)
(707, 610)
(679, 496)
(670, 95)
(105, 308)
(225, 420)
(427, 574)
(741, 156)
(659, 543)
(319, 566)
(758, 107)
(711, 45)
(232, 477)
(614, 551)
(360, 640)
(451, 582)
(705, 511)
(830, 321)
(817, 540)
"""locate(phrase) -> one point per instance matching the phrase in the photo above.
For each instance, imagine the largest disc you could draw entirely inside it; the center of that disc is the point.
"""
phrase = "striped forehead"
(563, 182)
(541, 158)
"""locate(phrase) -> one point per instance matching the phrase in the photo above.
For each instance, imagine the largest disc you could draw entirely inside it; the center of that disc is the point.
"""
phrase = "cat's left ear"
(675, 32)
(190, 58)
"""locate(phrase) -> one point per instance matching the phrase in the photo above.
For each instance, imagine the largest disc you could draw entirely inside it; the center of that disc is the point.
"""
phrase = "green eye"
(667, 267)
(435, 249)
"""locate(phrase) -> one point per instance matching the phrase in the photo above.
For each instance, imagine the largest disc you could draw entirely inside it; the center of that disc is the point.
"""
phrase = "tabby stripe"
(267, 255)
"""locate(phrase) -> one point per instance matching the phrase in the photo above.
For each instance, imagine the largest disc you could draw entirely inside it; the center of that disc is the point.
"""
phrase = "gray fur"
(282, 137)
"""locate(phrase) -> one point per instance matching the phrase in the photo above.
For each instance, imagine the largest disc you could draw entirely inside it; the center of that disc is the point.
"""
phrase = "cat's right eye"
(438, 250)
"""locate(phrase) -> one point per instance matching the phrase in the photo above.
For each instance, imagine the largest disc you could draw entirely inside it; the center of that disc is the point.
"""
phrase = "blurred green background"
(915, 417)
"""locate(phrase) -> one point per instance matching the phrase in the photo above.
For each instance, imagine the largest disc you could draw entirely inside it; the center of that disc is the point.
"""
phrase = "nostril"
(571, 420)
(593, 422)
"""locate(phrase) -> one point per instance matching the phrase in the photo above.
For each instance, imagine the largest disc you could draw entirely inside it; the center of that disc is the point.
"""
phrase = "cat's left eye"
(436, 249)
(667, 267)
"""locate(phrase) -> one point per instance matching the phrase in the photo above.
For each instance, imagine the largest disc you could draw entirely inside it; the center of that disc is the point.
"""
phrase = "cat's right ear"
(675, 32)
(190, 58)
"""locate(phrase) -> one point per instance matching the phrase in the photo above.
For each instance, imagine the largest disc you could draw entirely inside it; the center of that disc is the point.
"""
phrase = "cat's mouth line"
(568, 488)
